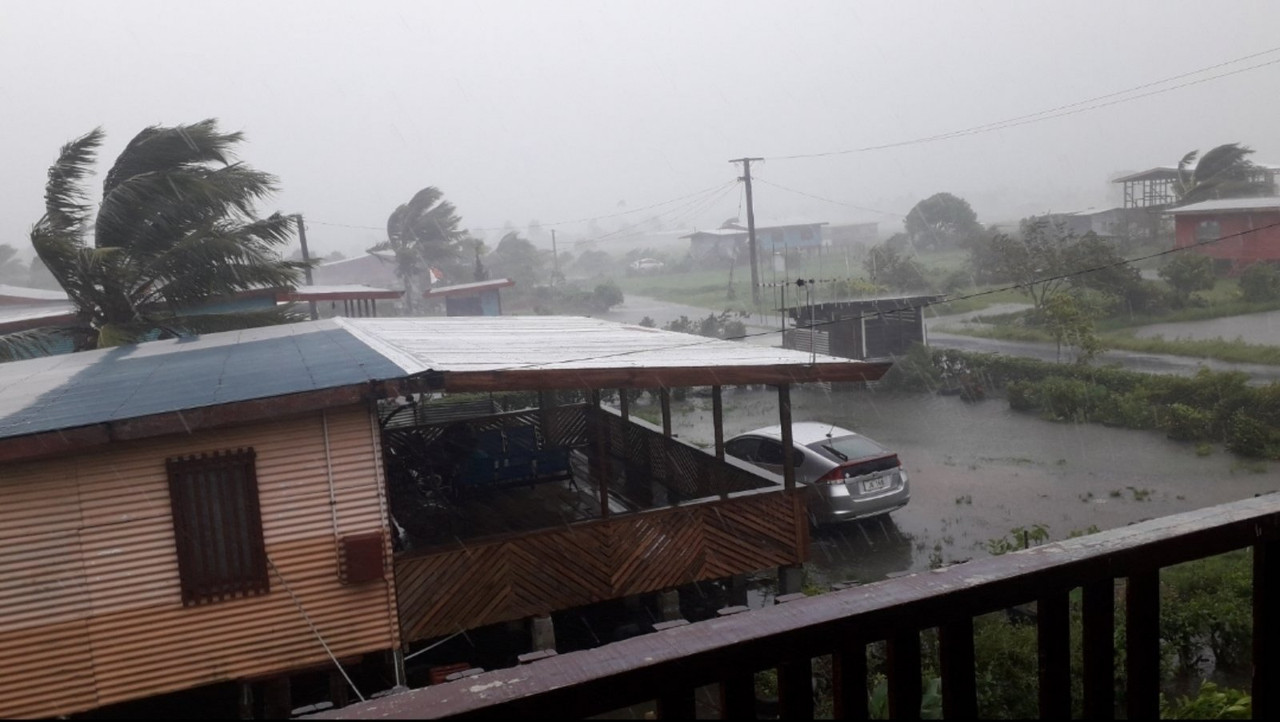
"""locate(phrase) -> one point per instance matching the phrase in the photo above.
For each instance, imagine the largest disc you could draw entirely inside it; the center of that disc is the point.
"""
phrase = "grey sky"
(564, 110)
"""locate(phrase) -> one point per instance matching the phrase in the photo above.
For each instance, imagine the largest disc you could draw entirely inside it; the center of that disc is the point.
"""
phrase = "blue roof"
(90, 387)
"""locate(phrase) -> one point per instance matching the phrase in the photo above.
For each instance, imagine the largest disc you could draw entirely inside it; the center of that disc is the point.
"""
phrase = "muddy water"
(978, 470)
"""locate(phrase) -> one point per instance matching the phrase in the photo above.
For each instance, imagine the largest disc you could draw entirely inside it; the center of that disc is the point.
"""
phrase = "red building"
(1249, 229)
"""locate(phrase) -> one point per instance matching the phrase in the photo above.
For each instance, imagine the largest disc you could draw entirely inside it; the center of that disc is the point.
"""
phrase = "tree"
(942, 221)
(1223, 172)
(12, 271)
(175, 228)
(887, 267)
(1186, 274)
(422, 233)
(1070, 319)
(518, 259)
(1260, 282)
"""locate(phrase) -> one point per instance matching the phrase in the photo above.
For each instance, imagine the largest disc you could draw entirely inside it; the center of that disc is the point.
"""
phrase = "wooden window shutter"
(360, 558)
(217, 525)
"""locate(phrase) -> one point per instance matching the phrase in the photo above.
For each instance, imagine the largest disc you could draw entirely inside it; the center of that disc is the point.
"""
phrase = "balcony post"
(1099, 649)
(1266, 629)
(784, 419)
(599, 465)
(1142, 644)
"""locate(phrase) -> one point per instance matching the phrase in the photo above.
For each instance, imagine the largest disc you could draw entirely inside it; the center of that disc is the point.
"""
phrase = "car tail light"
(860, 468)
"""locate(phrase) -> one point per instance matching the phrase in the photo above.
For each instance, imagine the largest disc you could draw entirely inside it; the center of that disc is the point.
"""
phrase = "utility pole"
(555, 259)
(306, 259)
(751, 228)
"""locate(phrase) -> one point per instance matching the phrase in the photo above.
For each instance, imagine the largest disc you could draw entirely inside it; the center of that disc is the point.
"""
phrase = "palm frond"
(195, 324)
(159, 148)
(64, 196)
(43, 341)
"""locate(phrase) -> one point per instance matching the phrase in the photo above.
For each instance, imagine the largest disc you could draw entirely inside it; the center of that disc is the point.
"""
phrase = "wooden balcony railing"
(669, 665)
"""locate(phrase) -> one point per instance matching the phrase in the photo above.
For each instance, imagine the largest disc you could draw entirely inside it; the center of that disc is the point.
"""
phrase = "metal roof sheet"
(80, 389)
(23, 293)
(35, 312)
(1229, 204)
(341, 291)
(474, 286)
(107, 385)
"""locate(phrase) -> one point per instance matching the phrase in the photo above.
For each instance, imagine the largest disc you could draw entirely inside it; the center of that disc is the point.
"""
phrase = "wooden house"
(1234, 232)
(236, 513)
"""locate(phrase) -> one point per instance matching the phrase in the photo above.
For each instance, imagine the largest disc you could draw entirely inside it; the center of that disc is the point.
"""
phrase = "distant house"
(1108, 223)
(1249, 229)
(851, 235)
(730, 240)
(372, 269)
(481, 298)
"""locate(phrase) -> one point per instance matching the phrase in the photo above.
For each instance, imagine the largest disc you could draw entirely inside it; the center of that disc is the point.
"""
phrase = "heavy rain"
(404, 358)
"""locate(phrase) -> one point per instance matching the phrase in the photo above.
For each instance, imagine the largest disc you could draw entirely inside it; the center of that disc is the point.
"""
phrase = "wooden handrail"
(669, 664)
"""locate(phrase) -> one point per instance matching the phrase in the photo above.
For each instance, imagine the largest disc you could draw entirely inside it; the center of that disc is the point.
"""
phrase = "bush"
(917, 370)
(1186, 423)
(1260, 282)
(1247, 436)
(1068, 399)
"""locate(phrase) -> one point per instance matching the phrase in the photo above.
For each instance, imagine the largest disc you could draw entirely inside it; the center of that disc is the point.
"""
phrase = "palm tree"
(422, 233)
(175, 229)
(1223, 172)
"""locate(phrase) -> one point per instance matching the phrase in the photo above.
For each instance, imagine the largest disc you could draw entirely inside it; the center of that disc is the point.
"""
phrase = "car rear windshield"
(848, 447)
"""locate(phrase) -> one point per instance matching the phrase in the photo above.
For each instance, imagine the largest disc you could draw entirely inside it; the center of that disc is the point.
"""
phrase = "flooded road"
(980, 470)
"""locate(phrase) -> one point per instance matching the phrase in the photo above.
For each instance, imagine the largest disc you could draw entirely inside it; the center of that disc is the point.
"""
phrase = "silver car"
(849, 475)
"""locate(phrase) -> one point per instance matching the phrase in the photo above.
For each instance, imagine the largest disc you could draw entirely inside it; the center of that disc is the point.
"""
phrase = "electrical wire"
(1059, 111)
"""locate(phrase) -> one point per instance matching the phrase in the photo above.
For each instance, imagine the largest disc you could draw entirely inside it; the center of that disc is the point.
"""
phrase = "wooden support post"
(546, 412)
(784, 419)
(624, 405)
(905, 688)
(246, 700)
(717, 419)
(278, 698)
(849, 680)
(956, 653)
(1099, 649)
(1053, 649)
(599, 464)
(795, 690)
(1266, 630)
(1142, 644)
(664, 397)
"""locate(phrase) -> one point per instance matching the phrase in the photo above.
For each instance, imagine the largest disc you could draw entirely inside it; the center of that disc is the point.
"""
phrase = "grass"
(1237, 351)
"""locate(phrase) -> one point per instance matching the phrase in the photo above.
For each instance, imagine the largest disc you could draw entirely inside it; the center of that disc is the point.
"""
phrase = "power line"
(557, 223)
(1061, 110)
(828, 200)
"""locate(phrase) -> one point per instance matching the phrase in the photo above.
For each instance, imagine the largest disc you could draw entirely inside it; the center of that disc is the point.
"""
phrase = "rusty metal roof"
(172, 377)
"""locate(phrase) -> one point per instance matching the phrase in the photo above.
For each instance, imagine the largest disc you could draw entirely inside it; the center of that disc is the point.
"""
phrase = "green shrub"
(1067, 399)
(917, 370)
(1022, 396)
(1247, 436)
(1186, 423)
(1211, 702)
(1260, 282)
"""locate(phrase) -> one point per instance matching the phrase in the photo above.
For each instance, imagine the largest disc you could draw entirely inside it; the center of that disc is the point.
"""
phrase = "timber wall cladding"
(90, 604)
(446, 591)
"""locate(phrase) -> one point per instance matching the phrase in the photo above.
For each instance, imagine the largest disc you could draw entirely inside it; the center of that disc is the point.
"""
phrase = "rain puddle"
(980, 470)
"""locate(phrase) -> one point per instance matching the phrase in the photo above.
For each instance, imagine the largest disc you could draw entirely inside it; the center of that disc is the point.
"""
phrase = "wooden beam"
(529, 379)
(784, 419)
(717, 419)
(664, 398)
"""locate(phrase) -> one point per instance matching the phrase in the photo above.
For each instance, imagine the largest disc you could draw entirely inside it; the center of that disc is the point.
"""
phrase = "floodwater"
(978, 470)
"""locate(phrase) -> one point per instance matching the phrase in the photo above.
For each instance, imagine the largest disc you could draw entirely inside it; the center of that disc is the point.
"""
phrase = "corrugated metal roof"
(92, 387)
(493, 343)
(25, 313)
(468, 287)
(1229, 204)
(1160, 172)
(23, 293)
(341, 291)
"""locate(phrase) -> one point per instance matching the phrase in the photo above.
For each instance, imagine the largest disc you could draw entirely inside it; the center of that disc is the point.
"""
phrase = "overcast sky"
(558, 111)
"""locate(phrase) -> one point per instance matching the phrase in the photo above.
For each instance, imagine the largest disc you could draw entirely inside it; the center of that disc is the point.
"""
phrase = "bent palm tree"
(422, 233)
(175, 229)
(1223, 172)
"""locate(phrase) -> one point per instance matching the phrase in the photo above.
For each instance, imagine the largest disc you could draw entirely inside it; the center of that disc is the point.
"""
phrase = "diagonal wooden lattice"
(484, 583)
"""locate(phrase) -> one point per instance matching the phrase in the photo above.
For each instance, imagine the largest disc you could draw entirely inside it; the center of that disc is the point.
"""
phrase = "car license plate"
(871, 485)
